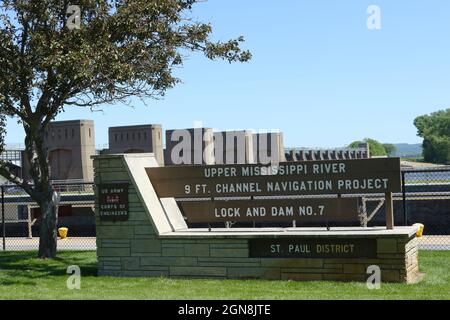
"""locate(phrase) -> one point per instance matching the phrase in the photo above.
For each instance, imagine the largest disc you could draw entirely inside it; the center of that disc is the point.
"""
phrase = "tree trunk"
(42, 191)
(48, 225)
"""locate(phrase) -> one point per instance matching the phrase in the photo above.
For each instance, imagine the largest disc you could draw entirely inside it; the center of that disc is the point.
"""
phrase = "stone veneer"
(134, 248)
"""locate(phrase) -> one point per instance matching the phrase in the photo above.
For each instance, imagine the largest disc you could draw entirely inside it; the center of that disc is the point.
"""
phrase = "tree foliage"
(375, 148)
(435, 131)
(120, 49)
(389, 148)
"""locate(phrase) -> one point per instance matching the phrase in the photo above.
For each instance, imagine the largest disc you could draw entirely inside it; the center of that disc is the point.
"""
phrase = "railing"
(426, 200)
(21, 217)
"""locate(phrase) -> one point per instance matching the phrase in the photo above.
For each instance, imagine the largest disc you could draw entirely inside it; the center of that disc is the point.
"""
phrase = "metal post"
(3, 219)
(405, 216)
(388, 203)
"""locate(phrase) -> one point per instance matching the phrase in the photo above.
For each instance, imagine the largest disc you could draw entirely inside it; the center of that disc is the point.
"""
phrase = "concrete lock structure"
(141, 230)
(137, 139)
(70, 146)
(302, 154)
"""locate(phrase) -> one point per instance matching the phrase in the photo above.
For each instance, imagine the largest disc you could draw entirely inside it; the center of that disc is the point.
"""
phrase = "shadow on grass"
(23, 268)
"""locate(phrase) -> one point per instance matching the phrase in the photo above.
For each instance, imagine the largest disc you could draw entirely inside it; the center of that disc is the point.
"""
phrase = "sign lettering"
(311, 248)
(113, 202)
(358, 176)
(280, 210)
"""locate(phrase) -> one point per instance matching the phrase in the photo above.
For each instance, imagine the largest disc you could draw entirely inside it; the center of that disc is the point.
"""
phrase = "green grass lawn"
(22, 276)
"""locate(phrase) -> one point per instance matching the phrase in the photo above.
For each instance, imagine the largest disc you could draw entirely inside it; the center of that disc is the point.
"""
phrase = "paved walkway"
(72, 243)
(434, 242)
(85, 243)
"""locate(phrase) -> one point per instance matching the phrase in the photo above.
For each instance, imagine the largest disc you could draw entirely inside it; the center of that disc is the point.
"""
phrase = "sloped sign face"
(358, 176)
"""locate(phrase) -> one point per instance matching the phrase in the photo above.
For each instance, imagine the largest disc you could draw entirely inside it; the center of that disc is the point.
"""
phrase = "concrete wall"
(137, 139)
(434, 214)
(70, 146)
(134, 248)
(302, 154)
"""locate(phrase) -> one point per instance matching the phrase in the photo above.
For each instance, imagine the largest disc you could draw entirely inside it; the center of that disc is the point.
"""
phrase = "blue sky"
(318, 74)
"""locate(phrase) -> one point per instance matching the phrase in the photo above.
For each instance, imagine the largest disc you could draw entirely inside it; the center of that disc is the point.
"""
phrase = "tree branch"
(24, 98)
(7, 173)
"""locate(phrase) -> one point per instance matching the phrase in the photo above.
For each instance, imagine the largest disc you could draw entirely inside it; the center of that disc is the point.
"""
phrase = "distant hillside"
(407, 150)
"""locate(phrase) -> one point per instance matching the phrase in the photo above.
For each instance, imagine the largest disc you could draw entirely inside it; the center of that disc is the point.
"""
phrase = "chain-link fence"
(21, 218)
(425, 199)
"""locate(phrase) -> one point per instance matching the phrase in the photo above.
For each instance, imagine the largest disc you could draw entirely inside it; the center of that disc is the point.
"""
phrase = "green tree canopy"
(375, 148)
(55, 54)
(390, 148)
(435, 131)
